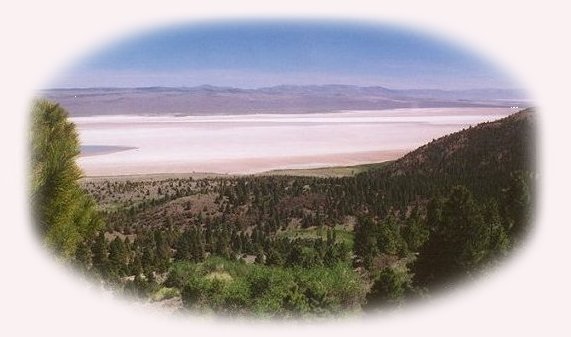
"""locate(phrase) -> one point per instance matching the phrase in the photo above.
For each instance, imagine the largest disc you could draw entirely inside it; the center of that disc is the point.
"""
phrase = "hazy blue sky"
(251, 55)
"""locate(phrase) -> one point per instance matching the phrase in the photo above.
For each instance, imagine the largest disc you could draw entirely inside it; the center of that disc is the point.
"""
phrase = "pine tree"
(389, 288)
(414, 233)
(118, 256)
(99, 250)
(517, 203)
(83, 256)
(183, 246)
(366, 245)
(148, 260)
(459, 240)
(65, 215)
(387, 236)
(163, 252)
(197, 245)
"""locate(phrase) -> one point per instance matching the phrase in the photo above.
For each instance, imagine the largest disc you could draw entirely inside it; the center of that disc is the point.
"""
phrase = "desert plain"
(116, 145)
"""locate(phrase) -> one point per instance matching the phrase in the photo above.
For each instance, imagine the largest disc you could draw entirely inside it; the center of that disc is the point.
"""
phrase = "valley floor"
(251, 144)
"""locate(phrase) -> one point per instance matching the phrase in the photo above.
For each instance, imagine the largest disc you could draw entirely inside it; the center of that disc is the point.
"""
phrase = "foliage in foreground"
(231, 287)
(65, 214)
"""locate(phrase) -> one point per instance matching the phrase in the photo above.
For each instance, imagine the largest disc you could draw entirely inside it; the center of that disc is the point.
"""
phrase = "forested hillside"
(482, 158)
(282, 246)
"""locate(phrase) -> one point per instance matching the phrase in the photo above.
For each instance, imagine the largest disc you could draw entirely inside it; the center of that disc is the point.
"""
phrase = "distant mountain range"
(209, 100)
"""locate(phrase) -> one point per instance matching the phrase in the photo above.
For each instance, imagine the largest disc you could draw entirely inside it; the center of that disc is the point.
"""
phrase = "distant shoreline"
(98, 150)
(333, 169)
(320, 172)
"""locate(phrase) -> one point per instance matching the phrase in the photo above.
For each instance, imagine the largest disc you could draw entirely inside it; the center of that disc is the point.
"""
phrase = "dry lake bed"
(243, 144)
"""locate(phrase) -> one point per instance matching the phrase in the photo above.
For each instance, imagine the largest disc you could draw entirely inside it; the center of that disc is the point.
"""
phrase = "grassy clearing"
(219, 275)
(336, 171)
(341, 233)
(165, 293)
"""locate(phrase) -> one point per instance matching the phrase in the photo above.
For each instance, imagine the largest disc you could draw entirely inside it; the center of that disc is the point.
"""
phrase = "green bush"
(267, 291)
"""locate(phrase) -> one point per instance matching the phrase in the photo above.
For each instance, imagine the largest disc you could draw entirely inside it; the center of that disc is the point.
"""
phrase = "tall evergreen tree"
(83, 256)
(517, 203)
(163, 252)
(414, 233)
(460, 240)
(366, 245)
(118, 256)
(389, 288)
(65, 215)
(99, 250)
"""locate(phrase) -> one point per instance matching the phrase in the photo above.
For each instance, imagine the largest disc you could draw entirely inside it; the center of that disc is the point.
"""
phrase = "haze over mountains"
(211, 100)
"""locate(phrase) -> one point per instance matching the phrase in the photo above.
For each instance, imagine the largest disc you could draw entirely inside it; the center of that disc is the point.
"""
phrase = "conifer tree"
(389, 288)
(366, 245)
(118, 256)
(99, 250)
(83, 256)
(163, 252)
(414, 233)
(517, 203)
(65, 215)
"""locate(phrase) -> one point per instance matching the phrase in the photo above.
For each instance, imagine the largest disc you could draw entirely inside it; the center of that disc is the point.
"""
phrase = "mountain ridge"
(207, 99)
(483, 158)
